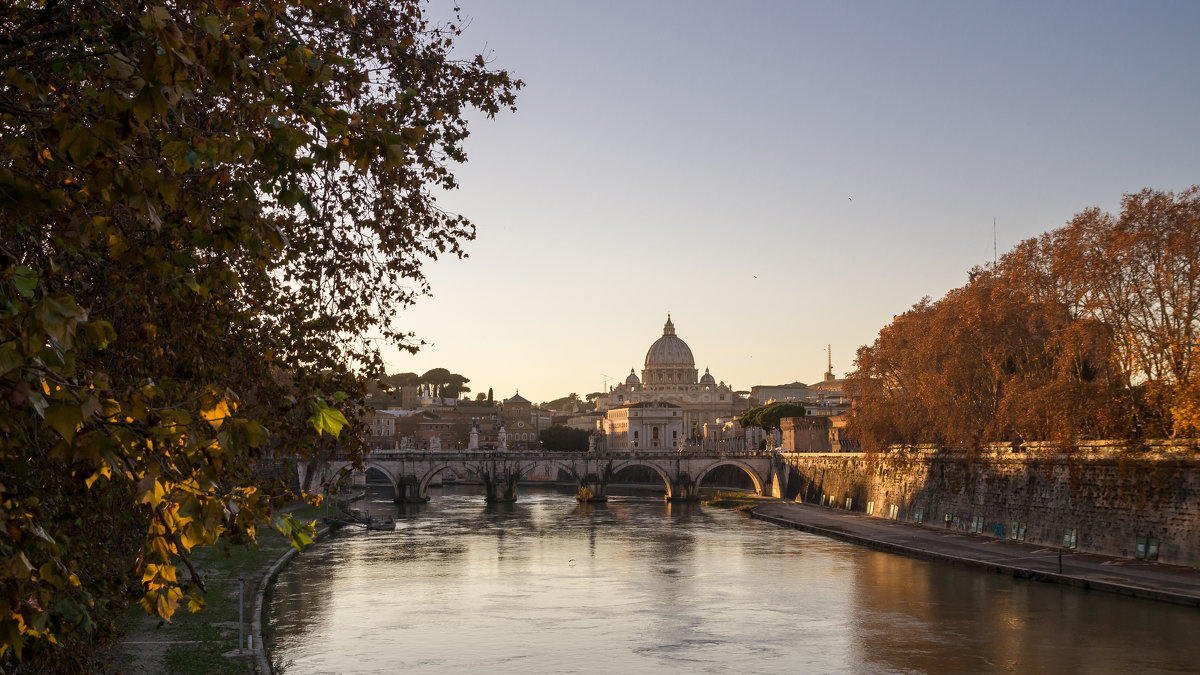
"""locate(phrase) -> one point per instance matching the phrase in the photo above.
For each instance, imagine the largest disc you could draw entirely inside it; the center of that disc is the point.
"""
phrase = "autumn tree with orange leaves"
(1087, 332)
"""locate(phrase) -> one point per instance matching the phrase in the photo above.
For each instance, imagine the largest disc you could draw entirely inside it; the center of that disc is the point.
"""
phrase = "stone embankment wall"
(1114, 502)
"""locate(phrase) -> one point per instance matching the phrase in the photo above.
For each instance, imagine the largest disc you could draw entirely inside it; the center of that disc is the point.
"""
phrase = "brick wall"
(1108, 497)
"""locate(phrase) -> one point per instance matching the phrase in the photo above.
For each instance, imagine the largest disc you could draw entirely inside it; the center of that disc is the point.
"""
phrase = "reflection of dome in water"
(632, 379)
(707, 378)
(669, 350)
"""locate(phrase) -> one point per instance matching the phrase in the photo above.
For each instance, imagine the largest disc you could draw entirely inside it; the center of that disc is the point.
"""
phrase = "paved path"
(1170, 583)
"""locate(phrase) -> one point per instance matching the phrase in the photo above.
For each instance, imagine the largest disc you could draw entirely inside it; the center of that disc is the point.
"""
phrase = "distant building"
(774, 393)
(382, 423)
(825, 398)
(542, 419)
(805, 434)
(648, 425)
(670, 376)
(728, 435)
(519, 422)
(585, 421)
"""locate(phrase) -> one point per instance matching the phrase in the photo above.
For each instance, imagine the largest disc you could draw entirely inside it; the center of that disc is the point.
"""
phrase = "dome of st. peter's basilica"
(669, 350)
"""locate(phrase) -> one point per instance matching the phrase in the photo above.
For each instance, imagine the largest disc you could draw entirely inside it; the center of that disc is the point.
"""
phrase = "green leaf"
(99, 333)
(64, 418)
(327, 420)
(25, 280)
(59, 316)
(10, 357)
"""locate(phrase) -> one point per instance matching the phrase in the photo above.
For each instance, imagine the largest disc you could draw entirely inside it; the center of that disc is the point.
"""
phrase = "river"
(641, 586)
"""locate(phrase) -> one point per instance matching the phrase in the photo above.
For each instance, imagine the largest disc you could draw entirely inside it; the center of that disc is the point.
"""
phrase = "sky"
(780, 176)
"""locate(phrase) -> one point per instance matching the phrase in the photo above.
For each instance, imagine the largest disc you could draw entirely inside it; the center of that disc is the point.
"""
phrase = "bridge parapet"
(412, 471)
(547, 454)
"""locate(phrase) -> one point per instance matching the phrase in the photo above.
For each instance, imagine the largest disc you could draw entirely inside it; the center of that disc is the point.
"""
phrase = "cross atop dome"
(669, 328)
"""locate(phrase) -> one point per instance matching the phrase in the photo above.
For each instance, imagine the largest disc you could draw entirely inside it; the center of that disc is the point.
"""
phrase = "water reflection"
(636, 585)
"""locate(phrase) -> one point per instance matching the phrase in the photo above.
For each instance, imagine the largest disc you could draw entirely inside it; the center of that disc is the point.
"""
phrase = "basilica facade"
(670, 376)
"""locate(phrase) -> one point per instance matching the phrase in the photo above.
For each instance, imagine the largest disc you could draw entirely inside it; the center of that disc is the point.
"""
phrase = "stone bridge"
(412, 471)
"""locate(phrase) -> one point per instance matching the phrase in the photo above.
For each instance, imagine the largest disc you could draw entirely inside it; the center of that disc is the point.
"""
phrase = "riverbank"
(207, 641)
(1167, 583)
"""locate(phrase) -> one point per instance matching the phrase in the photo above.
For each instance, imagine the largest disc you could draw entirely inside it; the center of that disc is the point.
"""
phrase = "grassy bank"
(197, 643)
(736, 501)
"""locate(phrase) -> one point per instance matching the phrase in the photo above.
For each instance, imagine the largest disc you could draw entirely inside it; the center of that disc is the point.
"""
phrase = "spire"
(669, 328)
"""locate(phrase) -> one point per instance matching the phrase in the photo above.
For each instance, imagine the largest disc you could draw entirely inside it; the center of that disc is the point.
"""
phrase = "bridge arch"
(759, 481)
(428, 476)
(649, 464)
(554, 463)
(347, 468)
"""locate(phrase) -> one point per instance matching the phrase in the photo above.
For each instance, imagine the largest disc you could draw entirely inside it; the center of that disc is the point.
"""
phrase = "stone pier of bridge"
(412, 472)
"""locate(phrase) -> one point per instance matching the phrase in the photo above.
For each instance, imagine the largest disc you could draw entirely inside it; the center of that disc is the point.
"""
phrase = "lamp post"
(241, 596)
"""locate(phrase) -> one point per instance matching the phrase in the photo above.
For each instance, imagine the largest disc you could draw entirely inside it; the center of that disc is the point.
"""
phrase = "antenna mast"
(994, 257)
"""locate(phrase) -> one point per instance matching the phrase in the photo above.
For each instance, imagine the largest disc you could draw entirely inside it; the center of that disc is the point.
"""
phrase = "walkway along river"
(638, 585)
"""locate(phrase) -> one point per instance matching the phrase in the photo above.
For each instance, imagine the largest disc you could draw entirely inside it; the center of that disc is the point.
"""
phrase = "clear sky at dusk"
(781, 175)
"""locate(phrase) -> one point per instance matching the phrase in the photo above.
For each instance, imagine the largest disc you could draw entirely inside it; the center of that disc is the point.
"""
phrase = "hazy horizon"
(780, 176)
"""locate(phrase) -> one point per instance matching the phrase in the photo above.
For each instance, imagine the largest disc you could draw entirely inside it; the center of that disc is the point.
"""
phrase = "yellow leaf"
(216, 415)
(195, 603)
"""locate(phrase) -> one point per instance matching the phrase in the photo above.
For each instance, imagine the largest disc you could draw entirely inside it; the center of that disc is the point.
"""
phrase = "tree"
(767, 417)
(560, 438)
(205, 210)
(1089, 331)
(565, 403)
(441, 383)
(1138, 273)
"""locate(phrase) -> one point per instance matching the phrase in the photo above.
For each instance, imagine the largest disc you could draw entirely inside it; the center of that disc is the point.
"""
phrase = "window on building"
(635, 433)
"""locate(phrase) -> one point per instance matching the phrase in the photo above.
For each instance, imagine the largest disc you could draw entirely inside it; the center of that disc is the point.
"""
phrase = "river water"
(641, 586)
